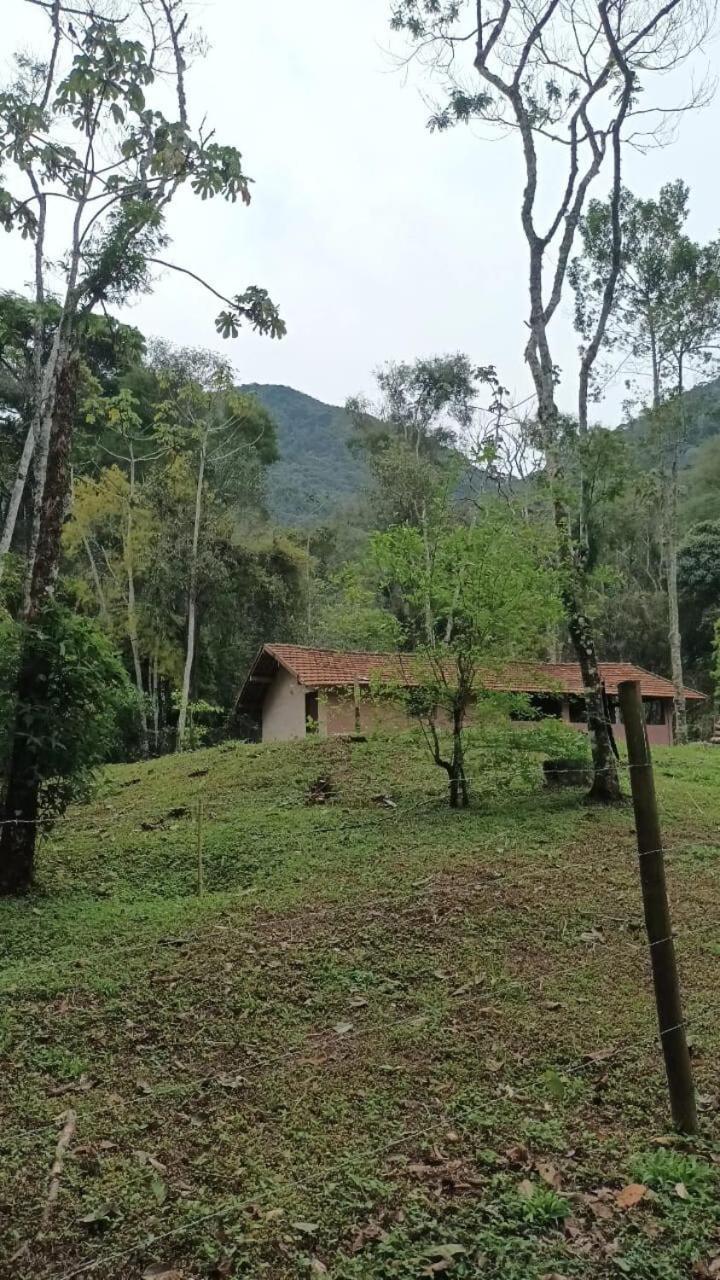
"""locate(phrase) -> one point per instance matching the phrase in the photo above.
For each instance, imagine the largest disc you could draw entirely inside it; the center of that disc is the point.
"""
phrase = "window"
(578, 710)
(654, 710)
(540, 704)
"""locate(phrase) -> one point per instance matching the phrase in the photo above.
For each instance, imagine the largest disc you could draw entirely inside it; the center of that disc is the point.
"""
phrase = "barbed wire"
(534, 875)
(150, 1240)
(403, 891)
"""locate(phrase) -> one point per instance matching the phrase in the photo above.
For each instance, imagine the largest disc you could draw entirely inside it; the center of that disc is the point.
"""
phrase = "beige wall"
(283, 717)
(339, 714)
(283, 713)
(659, 735)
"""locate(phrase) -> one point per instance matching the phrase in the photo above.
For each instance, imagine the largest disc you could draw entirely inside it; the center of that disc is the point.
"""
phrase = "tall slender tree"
(565, 79)
(90, 164)
(224, 435)
(665, 325)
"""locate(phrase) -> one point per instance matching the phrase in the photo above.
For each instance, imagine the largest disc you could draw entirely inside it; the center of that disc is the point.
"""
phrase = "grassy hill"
(316, 473)
(386, 1043)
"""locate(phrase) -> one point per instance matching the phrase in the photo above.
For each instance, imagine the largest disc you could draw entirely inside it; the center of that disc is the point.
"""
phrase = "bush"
(567, 771)
(75, 727)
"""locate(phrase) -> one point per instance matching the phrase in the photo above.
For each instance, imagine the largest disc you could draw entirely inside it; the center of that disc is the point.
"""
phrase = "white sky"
(378, 240)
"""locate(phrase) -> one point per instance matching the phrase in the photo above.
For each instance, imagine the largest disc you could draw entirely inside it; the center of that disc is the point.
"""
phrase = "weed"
(543, 1207)
(665, 1169)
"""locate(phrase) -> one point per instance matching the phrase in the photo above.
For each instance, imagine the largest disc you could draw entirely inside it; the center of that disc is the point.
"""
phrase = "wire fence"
(150, 1240)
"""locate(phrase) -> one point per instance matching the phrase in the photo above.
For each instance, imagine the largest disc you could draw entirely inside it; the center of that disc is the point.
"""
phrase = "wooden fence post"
(657, 912)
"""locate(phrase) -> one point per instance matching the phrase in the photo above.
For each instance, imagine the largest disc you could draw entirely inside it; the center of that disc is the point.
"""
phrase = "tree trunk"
(654, 366)
(459, 796)
(97, 581)
(22, 799)
(18, 834)
(47, 408)
(16, 498)
(605, 786)
(132, 616)
(41, 384)
(192, 602)
(676, 662)
(155, 701)
(429, 623)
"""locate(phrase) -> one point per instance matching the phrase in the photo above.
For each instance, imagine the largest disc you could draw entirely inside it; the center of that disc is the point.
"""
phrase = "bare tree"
(567, 77)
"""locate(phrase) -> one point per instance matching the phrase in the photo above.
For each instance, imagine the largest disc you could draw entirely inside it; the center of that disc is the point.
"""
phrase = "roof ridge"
(320, 648)
(386, 653)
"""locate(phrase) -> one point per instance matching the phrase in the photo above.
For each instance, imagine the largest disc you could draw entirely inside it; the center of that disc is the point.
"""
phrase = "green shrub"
(74, 725)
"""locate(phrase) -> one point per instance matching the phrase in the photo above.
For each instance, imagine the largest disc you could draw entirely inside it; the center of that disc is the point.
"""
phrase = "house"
(292, 690)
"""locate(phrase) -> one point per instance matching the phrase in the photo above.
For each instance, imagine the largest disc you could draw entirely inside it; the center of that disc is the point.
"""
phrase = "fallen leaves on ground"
(549, 1174)
(631, 1195)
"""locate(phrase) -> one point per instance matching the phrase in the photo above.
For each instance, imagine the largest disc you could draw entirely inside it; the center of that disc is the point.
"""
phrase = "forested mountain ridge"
(701, 405)
(317, 472)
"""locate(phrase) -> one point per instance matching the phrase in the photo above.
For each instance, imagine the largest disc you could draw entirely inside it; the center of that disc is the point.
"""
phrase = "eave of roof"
(334, 668)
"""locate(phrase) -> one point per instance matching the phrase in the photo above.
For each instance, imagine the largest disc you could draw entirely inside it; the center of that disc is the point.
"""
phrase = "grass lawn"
(389, 1041)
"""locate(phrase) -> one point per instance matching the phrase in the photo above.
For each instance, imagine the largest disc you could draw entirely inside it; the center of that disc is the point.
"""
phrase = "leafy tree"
(666, 312)
(567, 81)
(171, 537)
(109, 350)
(702, 485)
(410, 436)
(666, 318)
(75, 726)
(488, 596)
(699, 577)
(91, 163)
(347, 614)
(221, 434)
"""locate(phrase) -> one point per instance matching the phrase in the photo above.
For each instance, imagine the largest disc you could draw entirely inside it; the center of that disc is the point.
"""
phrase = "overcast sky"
(378, 240)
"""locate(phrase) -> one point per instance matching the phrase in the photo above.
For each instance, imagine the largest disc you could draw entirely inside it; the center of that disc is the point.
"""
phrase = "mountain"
(702, 418)
(317, 473)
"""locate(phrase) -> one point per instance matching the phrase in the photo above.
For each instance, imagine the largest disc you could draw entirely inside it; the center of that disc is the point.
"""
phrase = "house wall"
(339, 714)
(659, 735)
(339, 718)
(283, 712)
(283, 715)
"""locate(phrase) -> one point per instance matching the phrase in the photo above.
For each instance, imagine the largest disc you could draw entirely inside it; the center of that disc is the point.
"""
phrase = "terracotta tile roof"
(332, 668)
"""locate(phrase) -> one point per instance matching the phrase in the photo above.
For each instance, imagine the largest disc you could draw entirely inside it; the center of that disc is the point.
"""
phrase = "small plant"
(542, 1206)
(561, 1088)
(666, 1169)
